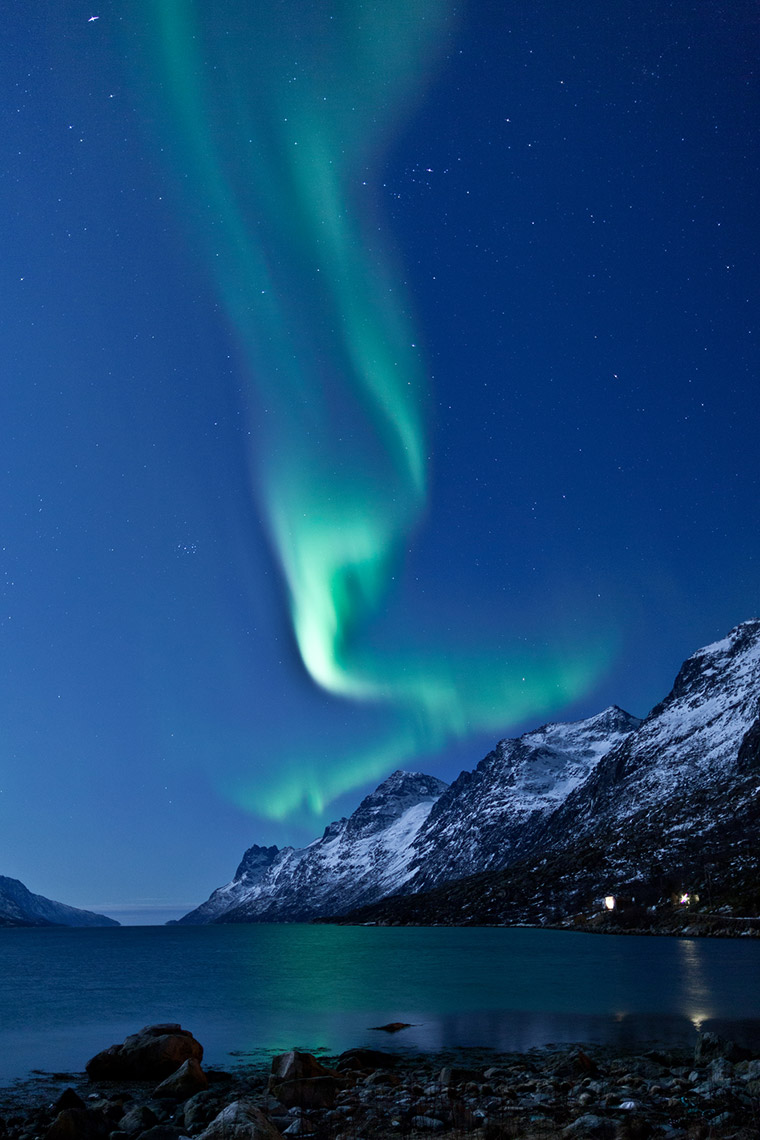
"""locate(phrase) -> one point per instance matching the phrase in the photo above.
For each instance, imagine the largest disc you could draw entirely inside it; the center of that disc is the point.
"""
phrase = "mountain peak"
(744, 636)
(399, 792)
(485, 816)
(614, 717)
(256, 861)
(612, 721)
(365, 856)
(402, 784)
(628, 789)
(725, 671)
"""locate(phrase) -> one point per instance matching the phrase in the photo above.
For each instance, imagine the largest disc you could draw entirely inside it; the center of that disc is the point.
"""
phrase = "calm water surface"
(245, 991)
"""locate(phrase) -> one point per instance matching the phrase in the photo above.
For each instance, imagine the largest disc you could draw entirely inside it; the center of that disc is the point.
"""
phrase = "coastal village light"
(609, 902)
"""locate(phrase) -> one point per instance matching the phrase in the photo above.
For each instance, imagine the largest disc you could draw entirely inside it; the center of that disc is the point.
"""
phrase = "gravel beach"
(711, 1090)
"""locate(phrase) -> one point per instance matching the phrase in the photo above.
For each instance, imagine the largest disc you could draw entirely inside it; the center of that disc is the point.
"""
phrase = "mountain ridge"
(359, 858)
(20, 907)
(611, 800)
(672, 810)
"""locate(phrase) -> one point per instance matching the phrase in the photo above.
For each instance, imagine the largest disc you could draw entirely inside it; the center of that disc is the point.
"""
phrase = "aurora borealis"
(282, 140)
(378, 386)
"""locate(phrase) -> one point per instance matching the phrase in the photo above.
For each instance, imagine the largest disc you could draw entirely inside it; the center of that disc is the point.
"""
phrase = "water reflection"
(694, 983)
(517, 1031)
(65, 994)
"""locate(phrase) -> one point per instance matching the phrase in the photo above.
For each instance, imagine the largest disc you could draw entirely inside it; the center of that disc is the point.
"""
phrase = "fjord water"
(246, 991)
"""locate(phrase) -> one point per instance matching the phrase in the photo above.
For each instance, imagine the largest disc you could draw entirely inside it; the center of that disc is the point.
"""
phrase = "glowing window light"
(609, 902)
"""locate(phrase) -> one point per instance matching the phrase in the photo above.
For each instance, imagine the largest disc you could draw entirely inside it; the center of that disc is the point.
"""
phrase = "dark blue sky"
(566, 200)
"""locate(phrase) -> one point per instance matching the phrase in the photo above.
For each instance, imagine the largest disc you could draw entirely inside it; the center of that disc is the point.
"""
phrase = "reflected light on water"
(66, 993)
(698, 1019)
(693, 983)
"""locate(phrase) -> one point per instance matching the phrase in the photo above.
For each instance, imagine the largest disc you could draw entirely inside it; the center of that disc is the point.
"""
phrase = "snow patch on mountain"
(628, 795)
(483, 820)
(681, 771)
(360, 858)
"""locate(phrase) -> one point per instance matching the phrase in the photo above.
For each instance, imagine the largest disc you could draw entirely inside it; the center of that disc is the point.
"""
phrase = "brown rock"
(241, 1120)
(586, 1064)
(296, 1065)
(69, 1124)
(299, 1080)
(137, 1120)
(200, 1110)
(710, 1045)
(382, 1077)
(152, 1054)
(308, 1092)
(365, 1059)
(77, 1124)
(185, 1082)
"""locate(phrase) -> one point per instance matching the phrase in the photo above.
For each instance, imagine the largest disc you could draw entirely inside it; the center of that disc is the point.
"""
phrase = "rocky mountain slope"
(487, 817)
(690, 773)
(19, 907)
(547, 822)
(672, 809)
(357, 860)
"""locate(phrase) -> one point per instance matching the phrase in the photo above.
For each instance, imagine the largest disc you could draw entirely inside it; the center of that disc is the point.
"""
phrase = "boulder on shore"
(710, 1047)
(299, 1080)
(187, 1080)
(241, 1120)
(78, 1124)
(297, 1066)
(372, 1059)
(153, 1054)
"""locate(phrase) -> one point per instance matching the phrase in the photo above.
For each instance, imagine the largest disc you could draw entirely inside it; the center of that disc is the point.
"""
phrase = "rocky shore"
(567, 1092)
(699, 924)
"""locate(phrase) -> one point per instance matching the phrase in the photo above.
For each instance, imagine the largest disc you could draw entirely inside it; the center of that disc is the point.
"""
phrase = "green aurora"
(277, 117)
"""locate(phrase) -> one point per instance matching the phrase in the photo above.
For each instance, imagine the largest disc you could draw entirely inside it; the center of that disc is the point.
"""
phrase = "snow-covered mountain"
(482, 821)
(579, 805)
(672, 806)
(414, 831)
(19, 907)
(357, 860)
(690, 773)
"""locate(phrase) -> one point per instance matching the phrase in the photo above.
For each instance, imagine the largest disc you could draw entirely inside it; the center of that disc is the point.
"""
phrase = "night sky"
(380, 378)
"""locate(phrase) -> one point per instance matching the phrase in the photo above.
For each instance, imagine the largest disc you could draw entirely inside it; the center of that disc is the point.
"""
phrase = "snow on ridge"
(727, 643)
(487, 816)
(369, 853)
(562, 754)
(691, 740)
(413, 831)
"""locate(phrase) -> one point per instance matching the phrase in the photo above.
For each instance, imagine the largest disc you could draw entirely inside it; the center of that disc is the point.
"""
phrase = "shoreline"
(694, 924)
(568, 1090)
(697, 926)
(704, 926)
